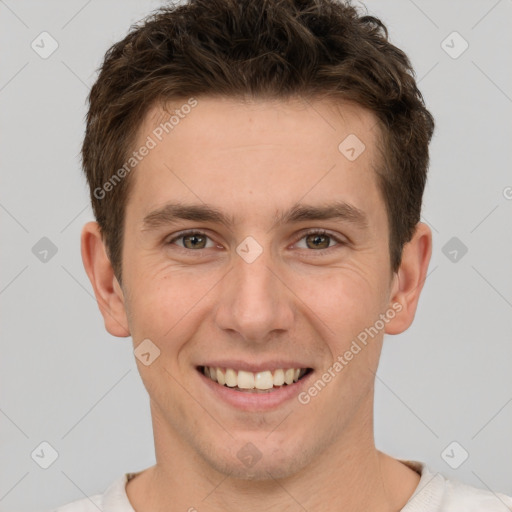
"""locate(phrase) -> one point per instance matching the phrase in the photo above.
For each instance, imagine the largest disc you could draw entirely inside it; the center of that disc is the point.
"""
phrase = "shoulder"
(90, 504)
(459, 496)
(114, 499)
(435, 493)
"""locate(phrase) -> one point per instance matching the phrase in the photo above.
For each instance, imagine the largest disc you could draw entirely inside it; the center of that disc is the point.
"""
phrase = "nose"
(255, 302)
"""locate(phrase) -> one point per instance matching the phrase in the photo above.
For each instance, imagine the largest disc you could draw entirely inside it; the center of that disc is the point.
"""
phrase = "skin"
(250, 159)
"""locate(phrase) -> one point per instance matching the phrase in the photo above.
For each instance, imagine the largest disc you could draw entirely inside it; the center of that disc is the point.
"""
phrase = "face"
(278, 260)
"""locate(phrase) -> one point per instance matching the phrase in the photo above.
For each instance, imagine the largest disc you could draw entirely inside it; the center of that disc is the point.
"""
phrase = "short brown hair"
(258, 48)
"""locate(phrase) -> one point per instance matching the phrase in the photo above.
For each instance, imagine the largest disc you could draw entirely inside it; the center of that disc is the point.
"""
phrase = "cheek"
(345, 299)
(165, 304)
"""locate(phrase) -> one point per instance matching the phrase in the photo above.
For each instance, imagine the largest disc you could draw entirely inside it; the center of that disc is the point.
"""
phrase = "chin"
(268, 464)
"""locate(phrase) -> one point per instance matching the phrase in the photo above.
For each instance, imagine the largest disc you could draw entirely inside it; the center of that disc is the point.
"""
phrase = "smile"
(262, 381)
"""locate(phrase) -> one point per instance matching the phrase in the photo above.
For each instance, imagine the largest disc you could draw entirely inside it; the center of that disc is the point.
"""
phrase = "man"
(256, 171)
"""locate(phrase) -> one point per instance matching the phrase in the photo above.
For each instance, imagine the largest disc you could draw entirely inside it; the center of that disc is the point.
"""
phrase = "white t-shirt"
(433, 494)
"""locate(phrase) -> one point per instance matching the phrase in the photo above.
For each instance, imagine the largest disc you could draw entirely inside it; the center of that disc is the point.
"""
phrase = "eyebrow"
(337, 210)
(172, 212)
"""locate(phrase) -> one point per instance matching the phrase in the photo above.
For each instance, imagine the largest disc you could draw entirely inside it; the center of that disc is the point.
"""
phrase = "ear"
(107, 290)
(408, 281)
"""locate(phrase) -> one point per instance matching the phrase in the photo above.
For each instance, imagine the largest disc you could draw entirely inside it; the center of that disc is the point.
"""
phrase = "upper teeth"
(250, 380)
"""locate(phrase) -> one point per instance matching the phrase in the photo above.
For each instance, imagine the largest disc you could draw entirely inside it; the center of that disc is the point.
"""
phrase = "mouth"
(266, 381)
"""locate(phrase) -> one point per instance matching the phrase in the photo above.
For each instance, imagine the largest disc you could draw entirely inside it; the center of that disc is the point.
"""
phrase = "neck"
(350, 475)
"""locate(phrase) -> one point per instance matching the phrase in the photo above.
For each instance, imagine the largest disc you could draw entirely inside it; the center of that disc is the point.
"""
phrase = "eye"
(192, 240)
(319, 239)
(316, 239)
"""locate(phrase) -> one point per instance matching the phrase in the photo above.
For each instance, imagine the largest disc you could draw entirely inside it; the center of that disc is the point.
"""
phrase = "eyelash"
(319, 252)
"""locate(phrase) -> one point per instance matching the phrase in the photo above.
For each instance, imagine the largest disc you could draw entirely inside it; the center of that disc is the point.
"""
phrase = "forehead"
(238, 152)
(316, 115)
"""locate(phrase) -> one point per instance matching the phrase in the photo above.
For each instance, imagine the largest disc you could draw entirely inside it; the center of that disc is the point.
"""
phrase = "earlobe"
(109, 295)
(410, 278)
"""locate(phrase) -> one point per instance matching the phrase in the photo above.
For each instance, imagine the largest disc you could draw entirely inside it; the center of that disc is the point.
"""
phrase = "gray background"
(66, 381)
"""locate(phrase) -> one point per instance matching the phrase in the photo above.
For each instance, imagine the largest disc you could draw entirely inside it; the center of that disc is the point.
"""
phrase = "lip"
(255, 402)
(238, 364)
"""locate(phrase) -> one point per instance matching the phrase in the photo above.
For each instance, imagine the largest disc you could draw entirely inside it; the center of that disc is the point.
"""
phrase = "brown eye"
(194, 241)
(318, 241)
